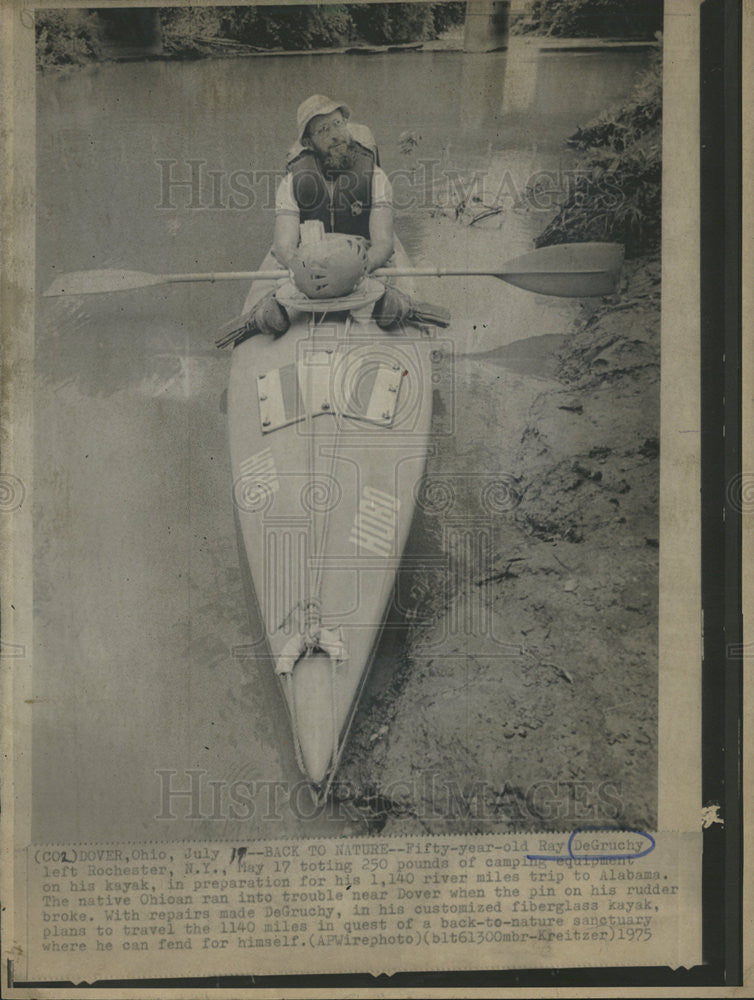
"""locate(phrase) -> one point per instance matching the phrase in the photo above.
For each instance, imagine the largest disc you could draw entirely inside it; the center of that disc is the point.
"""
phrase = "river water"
(140, 618)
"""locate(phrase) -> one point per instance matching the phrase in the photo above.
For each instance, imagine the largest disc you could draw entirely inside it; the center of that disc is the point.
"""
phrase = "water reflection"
(520, 79)
(481, 94)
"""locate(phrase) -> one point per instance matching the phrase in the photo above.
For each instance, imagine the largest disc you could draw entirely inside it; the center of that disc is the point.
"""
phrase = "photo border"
(720, 556)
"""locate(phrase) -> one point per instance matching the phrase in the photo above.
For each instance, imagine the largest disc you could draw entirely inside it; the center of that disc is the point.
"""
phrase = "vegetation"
(67, 37)
(642, 115)
(75, 37)
(639, 19)
(617, 189)
(448, 15)
(385, 24)
(189, 31)
(317, 26)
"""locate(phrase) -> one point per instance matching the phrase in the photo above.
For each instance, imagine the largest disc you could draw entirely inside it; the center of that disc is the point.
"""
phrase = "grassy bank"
(616, 195)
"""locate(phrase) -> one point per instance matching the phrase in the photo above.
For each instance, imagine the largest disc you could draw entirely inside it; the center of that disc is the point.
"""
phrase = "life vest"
(347, 209)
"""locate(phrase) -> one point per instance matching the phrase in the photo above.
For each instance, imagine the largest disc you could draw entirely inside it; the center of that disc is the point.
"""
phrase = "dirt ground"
(526, 693)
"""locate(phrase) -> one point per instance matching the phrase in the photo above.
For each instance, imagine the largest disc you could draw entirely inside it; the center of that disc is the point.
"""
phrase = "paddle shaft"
(575, 269)
(380, 272)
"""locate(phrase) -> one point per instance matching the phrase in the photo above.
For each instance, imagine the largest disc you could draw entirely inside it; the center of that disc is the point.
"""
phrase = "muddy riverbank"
(526, 694)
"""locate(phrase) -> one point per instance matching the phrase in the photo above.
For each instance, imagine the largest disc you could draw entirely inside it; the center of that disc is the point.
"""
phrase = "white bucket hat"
(315, 105)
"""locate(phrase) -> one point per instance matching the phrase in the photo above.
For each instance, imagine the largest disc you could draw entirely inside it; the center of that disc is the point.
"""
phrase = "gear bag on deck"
(265, 316)
(396, 308)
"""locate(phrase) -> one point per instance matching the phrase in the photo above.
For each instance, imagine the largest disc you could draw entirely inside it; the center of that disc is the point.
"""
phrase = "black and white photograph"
(500, 435)
(343, 488)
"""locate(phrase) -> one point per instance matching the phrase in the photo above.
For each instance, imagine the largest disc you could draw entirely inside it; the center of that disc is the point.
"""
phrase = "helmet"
(330, 268)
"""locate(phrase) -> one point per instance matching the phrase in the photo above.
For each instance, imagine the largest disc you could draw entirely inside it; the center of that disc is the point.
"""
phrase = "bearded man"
(334, 178)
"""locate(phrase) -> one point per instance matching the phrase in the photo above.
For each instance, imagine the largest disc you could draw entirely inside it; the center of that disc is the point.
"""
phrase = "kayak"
(329, 429)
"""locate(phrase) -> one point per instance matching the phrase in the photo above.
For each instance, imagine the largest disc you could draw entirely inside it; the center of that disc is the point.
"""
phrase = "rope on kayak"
(317, 566)
(306, 392)
(296, 607)
(317, 590)
(334, 706)
(312, 622)
(294, 723)
(339, 752)
(311, 635)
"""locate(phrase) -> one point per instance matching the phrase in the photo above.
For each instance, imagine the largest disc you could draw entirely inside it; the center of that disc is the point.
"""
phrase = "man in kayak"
(334, 178)
(335, 184)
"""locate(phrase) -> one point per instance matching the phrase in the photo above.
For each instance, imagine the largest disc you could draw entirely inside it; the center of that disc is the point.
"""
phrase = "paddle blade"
(91, 282)
(572, 270)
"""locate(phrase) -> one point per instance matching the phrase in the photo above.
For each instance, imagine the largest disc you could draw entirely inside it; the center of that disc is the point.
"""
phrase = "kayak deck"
(329, 430)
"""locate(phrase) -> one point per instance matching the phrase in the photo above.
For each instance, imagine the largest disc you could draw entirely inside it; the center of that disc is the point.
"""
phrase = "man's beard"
(337, 160)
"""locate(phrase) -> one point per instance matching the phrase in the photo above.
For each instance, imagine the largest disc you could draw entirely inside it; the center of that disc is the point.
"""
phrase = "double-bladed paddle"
(574, 270)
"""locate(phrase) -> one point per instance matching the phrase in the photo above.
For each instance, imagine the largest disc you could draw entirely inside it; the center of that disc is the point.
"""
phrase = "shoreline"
(228, 49)
(560, 690)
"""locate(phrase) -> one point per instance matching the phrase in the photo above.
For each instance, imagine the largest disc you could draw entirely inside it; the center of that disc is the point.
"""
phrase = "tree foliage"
(67, 37)
(617, 192)
(276, 27)
(386, 23)
(75, 36)
(639, 19)
(190, 32)
(448, 15)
